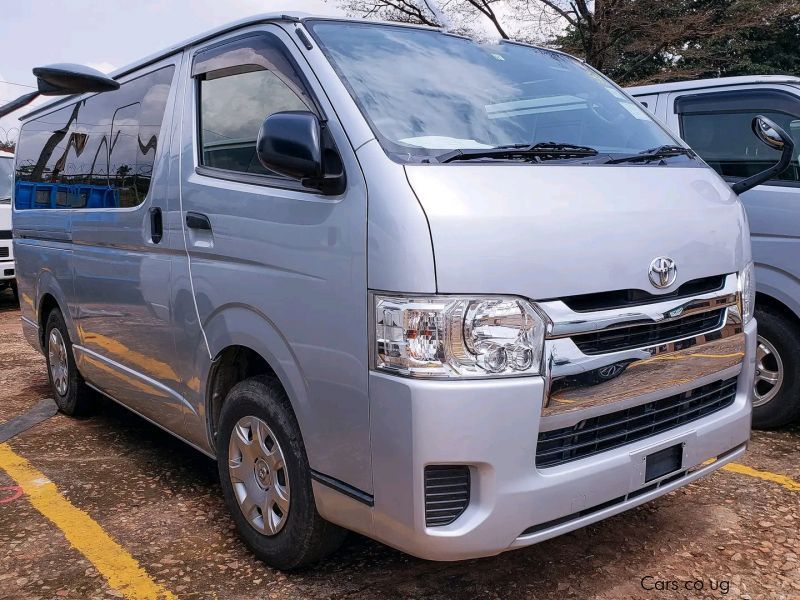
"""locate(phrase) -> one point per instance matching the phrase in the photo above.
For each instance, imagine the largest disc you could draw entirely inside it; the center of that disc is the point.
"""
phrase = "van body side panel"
(42, 236)
(295, 261)
(774, 215)
(125, 344)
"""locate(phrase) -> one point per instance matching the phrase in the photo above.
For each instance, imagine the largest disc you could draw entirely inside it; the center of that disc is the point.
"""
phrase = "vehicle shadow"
(8, 302)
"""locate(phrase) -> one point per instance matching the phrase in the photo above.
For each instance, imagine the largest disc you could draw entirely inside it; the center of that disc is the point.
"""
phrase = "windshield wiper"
(540, 151)
(653, 154)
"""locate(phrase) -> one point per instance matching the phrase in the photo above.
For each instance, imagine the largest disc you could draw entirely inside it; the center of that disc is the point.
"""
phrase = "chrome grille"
(446, 493)
(612, 430)
(637, 336)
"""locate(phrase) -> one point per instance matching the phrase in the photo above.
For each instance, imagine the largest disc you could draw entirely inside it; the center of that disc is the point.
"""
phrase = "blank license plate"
(663, 462)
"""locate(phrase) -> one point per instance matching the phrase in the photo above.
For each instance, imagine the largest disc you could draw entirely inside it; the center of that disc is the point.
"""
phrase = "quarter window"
(97, 153)
(718, 127)
(239, 85)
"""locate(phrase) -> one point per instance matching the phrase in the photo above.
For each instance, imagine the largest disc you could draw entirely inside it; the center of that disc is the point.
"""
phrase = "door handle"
(156, 225)
(196, 220)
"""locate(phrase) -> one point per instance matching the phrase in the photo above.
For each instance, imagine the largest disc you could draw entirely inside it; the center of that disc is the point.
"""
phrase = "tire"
(70, 392)
(778, 359)
(282, 526)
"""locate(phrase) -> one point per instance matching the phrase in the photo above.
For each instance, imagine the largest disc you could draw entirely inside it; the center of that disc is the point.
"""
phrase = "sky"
(109, 34)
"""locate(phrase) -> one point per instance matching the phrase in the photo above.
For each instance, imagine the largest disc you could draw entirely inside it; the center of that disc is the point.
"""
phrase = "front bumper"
(492, 426)
(7, 270)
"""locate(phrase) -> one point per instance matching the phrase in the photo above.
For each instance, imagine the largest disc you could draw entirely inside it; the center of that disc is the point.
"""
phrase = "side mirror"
(773, 136)
(63, 80)
(293, 144)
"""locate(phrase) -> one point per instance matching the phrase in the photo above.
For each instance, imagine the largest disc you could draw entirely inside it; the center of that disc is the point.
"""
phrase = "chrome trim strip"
(30, 322)
(566, 322)
(128, 371)
(582, 386)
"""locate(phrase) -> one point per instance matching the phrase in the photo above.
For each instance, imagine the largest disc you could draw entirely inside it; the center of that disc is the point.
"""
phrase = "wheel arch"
(775, 305)
(245, 343)
(51, 296)
(778, 290)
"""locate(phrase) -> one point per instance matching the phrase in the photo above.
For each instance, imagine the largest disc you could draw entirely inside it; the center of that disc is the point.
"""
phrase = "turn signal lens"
(747, 291)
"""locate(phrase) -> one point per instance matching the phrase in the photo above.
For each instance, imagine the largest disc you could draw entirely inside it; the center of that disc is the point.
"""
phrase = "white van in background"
(6, 251)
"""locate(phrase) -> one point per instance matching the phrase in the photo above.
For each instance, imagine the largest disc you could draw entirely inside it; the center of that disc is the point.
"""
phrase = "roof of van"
(287, 16)
(680, 86)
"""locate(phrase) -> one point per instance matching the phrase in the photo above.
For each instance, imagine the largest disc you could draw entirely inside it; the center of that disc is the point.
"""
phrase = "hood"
(545, 232)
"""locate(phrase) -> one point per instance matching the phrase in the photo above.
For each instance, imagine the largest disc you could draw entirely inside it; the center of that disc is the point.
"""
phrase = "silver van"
(712, 116)
(459, 298)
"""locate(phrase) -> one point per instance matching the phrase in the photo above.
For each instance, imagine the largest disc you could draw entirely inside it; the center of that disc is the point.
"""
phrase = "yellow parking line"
(119, 568)
(787, 482)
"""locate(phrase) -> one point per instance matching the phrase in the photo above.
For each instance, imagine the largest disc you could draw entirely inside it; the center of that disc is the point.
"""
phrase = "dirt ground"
(733, 534)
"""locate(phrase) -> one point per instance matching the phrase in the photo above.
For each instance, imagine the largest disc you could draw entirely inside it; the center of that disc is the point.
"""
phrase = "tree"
(632, 41)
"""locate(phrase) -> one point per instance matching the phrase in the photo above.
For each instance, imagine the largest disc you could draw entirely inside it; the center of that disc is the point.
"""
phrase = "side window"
(239, 84)
(97, 153)
(718, 127)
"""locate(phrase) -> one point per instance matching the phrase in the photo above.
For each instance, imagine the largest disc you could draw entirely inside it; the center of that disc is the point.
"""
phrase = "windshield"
(6, 177)
(425, 93)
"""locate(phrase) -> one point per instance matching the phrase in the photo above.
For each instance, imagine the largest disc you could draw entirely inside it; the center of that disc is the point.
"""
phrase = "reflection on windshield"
(425, 92)
(6, 177)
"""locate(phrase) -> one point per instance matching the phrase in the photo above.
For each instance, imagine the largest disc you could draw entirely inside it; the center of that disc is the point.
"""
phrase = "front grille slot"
(446, 493)
(638, 336)
(4, 252)
(598, 434)
(625, 298)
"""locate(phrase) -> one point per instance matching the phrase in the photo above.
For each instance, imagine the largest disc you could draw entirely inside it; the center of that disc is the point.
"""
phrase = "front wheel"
(266, 480)
(776, 393)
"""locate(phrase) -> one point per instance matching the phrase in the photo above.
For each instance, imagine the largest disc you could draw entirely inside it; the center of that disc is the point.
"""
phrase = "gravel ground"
(734, 535)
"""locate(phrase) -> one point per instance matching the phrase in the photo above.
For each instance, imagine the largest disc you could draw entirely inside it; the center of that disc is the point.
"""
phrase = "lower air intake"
(446, 493)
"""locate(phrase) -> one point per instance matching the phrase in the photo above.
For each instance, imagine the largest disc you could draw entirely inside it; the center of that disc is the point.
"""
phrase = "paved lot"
(735, 533)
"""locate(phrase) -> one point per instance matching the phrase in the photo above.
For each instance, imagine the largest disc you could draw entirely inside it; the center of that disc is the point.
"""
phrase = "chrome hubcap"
(258, 473)
(57, 356)
(769, 372)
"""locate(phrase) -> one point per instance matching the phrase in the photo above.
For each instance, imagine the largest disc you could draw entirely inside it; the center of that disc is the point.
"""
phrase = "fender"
(239, 325)
(780, 285)
(47, 283)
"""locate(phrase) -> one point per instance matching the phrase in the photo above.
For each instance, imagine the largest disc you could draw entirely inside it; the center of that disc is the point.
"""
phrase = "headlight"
(457, 336)
(747, 291)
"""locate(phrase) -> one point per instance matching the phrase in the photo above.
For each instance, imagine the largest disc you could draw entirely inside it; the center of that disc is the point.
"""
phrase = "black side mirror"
(63, 80)
(773, 136)
(294, 144)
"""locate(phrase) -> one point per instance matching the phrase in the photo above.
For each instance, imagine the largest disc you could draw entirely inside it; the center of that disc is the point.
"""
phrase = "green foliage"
(645, 41)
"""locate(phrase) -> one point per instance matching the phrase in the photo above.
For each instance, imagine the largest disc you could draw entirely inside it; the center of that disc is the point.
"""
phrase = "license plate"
(663, 462)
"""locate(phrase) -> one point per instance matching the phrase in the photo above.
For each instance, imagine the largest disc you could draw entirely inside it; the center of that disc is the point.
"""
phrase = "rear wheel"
(266, 480)
(776, 393)
(70, 392)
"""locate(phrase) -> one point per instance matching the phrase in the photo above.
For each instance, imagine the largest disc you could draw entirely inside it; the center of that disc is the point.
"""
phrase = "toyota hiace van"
(457, 297)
